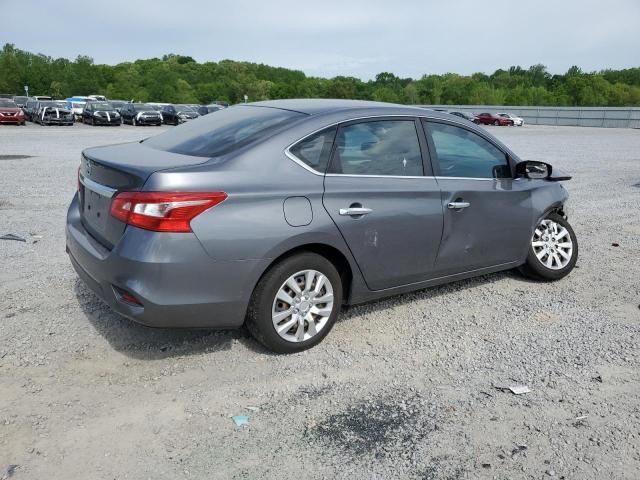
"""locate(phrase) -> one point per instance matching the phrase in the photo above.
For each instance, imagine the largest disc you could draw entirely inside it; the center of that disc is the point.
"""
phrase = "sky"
(327, 38)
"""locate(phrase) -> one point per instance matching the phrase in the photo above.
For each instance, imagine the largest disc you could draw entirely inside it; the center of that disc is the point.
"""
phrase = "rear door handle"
(458, 205)
(352, 211)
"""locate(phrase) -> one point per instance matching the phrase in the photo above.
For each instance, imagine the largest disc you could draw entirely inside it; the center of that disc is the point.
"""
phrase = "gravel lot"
(403, 388)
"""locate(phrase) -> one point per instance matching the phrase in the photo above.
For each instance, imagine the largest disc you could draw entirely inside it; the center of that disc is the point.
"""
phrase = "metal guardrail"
(608, 117)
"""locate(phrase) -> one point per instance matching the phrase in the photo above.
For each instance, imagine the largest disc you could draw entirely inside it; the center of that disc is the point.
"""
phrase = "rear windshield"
(224, 132)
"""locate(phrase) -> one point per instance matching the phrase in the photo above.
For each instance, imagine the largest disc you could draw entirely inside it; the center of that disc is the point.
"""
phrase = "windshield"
(77, 104)
(184, 108)
(224, 132)
(101, 106)
(140, 107)
(50, 103)
(7, 103)
(20, 99)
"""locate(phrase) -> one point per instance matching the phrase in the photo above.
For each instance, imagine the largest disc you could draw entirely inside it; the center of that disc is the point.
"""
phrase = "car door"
(172, 114)
(384, 202)
(487, 213)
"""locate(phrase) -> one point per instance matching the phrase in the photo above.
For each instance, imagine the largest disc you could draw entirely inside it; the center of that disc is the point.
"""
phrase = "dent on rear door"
(395, 244)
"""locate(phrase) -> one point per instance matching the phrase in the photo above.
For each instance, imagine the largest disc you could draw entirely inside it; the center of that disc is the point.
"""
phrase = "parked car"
(42, 97)
(175, 114)
(76, 105)
(100, 113)
(517, 121)
(206, 109)
(53, 112)
(140, 114)
(277, 213)
(99, 98)
(20, 100)
(467, 116)
(29, 108)
(493, 119)
(10, 112)
(118, 104)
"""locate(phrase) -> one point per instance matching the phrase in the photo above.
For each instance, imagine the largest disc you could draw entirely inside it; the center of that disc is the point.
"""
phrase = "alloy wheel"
(302, 306)
(552, 245)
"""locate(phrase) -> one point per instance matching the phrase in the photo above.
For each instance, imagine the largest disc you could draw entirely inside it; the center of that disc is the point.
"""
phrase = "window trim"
(301, 162)
(434, 154)
(425, 152)
(425, 137)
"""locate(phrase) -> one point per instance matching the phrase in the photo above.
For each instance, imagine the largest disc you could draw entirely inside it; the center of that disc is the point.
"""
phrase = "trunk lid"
(106, 171)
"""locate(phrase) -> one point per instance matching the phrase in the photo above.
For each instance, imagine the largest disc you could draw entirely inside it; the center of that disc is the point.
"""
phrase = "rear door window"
(224, 132)
(378, 147)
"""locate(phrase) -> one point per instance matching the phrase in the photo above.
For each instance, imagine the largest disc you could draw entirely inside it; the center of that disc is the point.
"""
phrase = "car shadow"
(430, 292)
(147, 343)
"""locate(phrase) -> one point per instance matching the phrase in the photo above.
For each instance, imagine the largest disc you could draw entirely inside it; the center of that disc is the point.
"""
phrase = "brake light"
(163, 211)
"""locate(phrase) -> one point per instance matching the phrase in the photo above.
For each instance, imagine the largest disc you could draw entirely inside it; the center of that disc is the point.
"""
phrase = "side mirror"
(539, 170)
(533, 170)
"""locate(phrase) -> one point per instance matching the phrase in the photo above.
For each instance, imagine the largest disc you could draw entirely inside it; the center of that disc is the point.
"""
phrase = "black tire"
(259, 321)
(536, 270)
(496, 123)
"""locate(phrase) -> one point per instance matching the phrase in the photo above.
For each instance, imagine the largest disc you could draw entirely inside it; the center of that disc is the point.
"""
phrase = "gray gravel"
(403, 388)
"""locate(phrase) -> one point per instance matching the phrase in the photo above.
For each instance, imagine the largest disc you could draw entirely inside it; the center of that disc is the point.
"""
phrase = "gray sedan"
(275, 214)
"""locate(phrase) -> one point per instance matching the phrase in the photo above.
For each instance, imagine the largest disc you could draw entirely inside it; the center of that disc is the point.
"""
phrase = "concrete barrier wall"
(611, 117)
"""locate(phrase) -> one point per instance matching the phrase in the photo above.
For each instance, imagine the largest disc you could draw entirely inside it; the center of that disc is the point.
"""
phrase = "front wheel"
(295, 304)
(496, 123)
(553, 251)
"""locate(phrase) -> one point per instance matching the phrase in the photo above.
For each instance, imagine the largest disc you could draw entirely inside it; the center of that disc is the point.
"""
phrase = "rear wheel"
(496, 123)
(553, 251)
(133, 121)
(295, 304)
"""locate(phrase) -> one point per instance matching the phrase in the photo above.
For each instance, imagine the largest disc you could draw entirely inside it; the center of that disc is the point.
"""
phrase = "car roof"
(326, 106)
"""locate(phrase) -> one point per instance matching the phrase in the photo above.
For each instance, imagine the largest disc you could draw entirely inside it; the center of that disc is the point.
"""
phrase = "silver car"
(275, 214)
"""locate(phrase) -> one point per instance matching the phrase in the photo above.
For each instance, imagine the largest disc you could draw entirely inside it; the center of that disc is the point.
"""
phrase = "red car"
(493, 119)
(10, 112)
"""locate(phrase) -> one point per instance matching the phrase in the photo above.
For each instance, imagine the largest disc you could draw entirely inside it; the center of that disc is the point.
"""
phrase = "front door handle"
(352, 211)
(458, 205)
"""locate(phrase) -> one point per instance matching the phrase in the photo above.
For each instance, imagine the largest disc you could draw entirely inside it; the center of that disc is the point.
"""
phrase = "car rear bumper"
(177, 282)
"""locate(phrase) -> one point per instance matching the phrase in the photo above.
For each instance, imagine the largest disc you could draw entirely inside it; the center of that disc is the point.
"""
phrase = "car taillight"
(163, 211)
